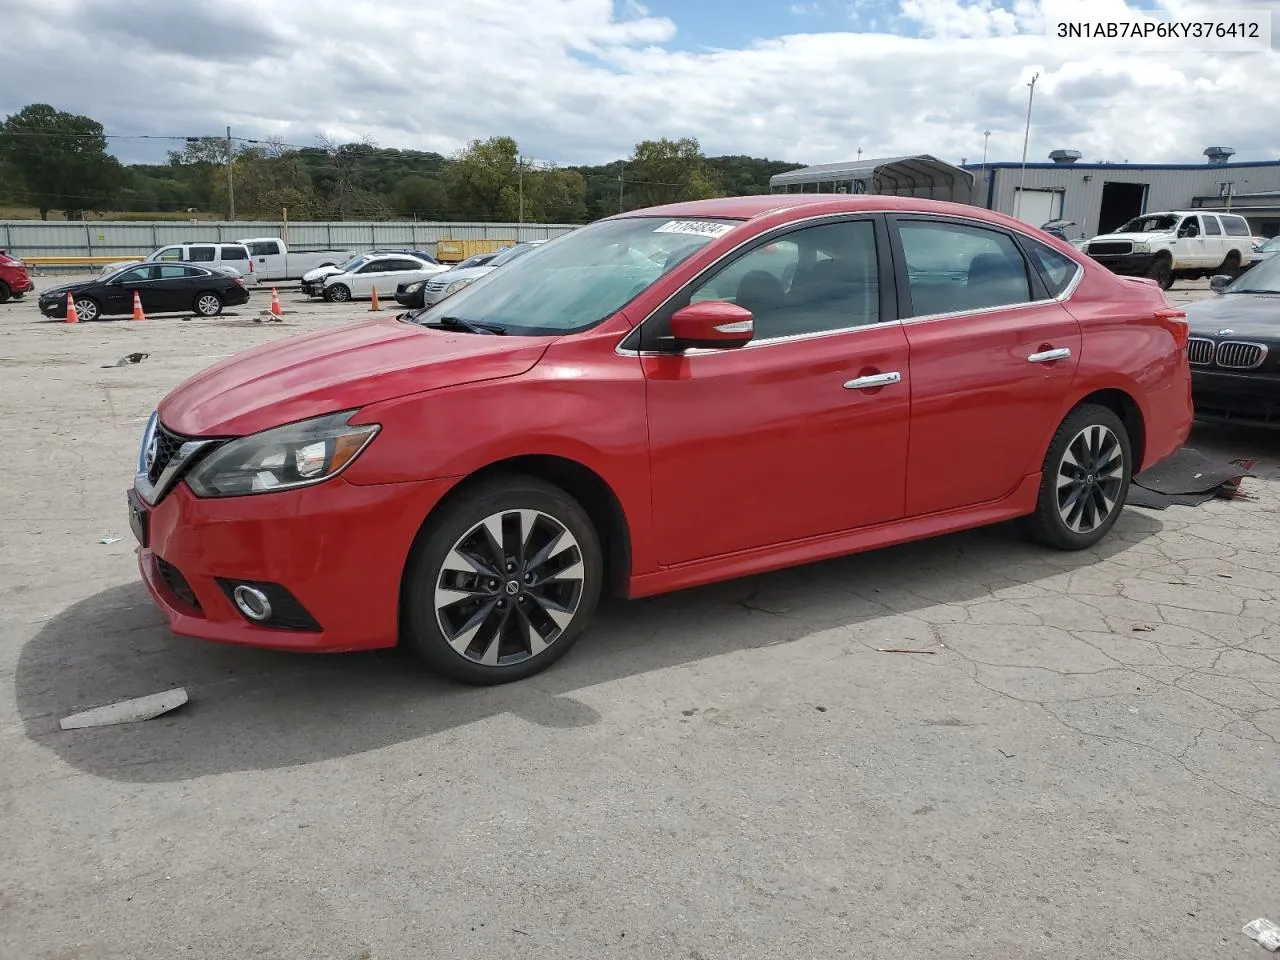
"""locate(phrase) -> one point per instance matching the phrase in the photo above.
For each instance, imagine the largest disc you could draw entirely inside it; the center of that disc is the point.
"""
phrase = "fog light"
(252, 602)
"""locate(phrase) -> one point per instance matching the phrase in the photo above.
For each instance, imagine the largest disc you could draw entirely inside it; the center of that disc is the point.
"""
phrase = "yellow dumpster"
(454, 251)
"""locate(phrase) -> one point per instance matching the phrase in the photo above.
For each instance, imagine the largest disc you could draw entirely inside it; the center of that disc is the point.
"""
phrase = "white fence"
(125, 238)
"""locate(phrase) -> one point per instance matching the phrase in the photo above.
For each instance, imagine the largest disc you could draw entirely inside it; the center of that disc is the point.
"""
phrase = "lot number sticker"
(695, 228)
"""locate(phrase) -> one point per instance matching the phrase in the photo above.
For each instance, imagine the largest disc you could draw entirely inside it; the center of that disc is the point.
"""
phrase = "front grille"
(1200, 351)
(167, 445)
(1240, 355)
(176, 582)
(435, 286)
(1110, 247)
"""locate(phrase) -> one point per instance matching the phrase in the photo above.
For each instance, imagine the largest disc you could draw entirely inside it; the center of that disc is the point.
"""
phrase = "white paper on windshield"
(696, 228)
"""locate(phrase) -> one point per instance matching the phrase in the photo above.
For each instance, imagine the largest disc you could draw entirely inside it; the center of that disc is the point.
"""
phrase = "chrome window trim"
(1066, 293)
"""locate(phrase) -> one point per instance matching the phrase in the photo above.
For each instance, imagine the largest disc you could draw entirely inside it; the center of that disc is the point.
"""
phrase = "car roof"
(817, 204)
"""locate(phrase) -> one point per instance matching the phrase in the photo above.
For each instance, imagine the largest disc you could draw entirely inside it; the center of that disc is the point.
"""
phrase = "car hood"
(1135, 237)
(349, 366)
(1246, 314)
(319, 272)
(63, 289)
(466, 273)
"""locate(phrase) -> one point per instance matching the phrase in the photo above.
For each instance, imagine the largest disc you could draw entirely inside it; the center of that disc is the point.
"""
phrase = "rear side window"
(1211, 226)
(266, 249)
(1236, 226)
(402, 265)
(234, 252)
(174, 271)
(201, 255)
(955, 268)
(1057, 270)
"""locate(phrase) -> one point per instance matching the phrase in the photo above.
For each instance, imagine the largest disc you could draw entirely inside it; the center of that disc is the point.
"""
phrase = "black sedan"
(409, 293)
(1235, 348)
(162, 288)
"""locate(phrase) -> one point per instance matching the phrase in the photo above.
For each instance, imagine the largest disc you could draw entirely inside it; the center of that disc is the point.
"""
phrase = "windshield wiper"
(469, 326)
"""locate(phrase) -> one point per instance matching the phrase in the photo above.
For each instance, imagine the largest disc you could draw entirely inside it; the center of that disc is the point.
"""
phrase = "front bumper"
(53, 308)
(19, 283)
(337, 548)
(1127, 264)
(312, 288)
(1252, 399)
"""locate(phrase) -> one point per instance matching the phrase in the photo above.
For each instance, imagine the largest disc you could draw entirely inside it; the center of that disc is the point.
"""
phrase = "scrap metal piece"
(127, 711)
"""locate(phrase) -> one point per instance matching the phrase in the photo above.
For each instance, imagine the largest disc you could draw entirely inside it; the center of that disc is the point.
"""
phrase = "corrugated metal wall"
(1081, 187)
(36, 238)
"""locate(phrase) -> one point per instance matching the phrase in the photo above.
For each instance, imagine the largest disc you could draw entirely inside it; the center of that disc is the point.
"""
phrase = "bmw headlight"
(457, 285)
(1142, 248)
(283, 458)
(414, 287)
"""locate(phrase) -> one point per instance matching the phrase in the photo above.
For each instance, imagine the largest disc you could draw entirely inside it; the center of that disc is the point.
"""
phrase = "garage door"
(1038, 206)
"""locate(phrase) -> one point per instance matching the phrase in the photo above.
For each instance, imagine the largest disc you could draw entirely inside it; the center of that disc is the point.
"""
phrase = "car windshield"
(1263, 277)
(579, 279)
(348, 265)
(1271, 246)
(507, 256)
(1158, 223)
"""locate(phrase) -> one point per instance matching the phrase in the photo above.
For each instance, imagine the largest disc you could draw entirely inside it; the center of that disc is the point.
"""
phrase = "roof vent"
(1218, 154)
(1065, 156)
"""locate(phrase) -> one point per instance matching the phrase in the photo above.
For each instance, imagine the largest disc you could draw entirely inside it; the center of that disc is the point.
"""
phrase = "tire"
(337, 293)
(88, 310)
(505, 622)
(1063, 517)
(208, 304)
(1231, 265)
(1162, 272)
(17, 296)
(5, 292)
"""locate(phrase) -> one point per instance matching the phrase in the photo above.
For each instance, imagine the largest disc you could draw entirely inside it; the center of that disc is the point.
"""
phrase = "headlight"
(457, 285)
(1142, 248)
(283, 458)
(414, 287)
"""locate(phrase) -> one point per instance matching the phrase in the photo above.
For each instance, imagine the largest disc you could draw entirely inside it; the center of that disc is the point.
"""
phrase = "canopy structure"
(918, 176)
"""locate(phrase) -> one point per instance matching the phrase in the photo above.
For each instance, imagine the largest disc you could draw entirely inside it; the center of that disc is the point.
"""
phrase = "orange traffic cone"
(72, 316)
(275, 303)
(137, 307)
(374, 304)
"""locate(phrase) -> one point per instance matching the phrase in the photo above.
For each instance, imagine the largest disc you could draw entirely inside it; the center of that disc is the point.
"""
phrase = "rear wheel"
(337, 293)
(1231, 265)
(503, 582)
(1162, 271)
(1084, 482)
(208, 304)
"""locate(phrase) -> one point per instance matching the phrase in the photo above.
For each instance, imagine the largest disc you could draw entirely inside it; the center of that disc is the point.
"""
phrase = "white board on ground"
(128, 711)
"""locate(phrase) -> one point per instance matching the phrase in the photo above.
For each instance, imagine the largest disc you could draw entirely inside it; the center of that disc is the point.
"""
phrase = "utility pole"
(1026, 137)
(520, 169)
(231, 190)
(620, 183)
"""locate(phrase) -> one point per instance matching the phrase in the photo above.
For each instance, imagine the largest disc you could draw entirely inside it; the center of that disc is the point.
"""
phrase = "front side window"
(138, 274)
(375, 266)
(814, 280)
(954, 268)
(579, 279)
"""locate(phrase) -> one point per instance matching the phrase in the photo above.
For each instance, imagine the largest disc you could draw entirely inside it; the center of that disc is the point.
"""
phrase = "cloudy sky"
(580, 81)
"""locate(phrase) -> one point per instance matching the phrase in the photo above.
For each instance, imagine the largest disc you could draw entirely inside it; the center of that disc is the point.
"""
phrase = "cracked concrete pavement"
(1085, 766)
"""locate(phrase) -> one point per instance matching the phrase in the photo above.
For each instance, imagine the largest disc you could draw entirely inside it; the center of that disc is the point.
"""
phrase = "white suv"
(1179, 245)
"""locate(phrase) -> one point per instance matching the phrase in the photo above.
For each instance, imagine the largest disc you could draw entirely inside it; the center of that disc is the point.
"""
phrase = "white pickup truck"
(273, 261)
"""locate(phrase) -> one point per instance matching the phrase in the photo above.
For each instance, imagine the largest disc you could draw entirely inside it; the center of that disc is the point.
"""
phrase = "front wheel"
(337, 293)
(503, 582)
(5, 292)
(1162, 272)
(87, 309)
(208, 304)
(1084, 481)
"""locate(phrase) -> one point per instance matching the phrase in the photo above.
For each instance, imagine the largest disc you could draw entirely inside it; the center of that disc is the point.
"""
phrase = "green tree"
(422, 197)
(668, 171)
(61, 160)
(484, 180)
(555, 196)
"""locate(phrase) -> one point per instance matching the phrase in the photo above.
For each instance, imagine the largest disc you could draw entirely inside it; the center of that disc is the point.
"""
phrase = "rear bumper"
(18, 282)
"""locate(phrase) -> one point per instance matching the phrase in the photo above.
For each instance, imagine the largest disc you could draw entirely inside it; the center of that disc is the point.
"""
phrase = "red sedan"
(658, 400)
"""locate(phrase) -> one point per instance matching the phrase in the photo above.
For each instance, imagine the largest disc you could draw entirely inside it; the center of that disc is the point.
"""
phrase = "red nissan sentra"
(661, 399)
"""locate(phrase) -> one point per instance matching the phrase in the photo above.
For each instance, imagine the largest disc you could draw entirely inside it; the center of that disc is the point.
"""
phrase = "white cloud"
(583, 80)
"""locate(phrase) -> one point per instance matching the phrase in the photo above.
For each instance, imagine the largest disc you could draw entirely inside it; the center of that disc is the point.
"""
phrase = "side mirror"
(712, 324)
(1220, 282)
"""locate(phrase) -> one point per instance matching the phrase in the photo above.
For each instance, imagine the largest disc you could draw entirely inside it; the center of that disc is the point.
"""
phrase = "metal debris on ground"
(901, 650)
(1265, 932)
(111, 540)
(127, 711)
(127, 359)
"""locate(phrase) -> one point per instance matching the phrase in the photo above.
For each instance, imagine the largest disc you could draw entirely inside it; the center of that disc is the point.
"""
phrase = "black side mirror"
(1220, 282)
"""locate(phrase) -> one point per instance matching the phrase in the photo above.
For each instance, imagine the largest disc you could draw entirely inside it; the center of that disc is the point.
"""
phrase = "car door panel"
(779, 440)
(987, 383)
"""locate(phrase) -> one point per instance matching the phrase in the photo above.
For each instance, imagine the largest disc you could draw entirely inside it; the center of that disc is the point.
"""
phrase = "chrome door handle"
(1049, 355)
(875, 380)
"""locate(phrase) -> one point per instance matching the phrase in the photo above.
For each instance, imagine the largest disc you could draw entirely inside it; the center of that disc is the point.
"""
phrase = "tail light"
(239, 280)
(251, 265)
(1176, 321)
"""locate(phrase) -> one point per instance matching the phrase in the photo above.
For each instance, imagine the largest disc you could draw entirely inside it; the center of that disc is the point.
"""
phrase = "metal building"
(918, 176)
(1101, 196)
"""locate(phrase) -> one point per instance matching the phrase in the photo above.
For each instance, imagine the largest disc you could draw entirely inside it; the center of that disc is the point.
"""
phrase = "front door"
(993, 356)
(802, 432)
(119, 299)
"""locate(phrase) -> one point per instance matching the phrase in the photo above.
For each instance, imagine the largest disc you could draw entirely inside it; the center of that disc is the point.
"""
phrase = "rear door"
(235, 256)
(993, 356)
(174, 286)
